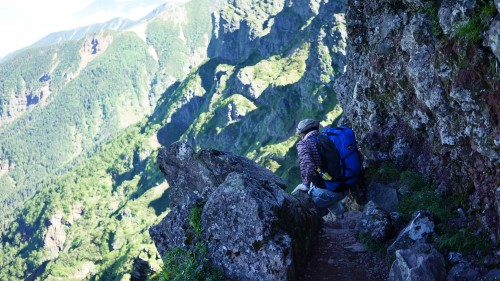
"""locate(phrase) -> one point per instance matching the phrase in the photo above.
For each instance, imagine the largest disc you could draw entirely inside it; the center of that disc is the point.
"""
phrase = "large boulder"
(420, 262)
(252, 228)
(375, 223)
(420, 230)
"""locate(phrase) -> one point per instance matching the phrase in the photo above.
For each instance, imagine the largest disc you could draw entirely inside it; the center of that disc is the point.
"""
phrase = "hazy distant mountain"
(79, 33)
(109, 6)
(160, 9)
(75, 34)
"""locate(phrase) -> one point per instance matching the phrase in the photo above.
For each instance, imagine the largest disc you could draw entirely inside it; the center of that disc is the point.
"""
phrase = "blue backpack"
(340, 159)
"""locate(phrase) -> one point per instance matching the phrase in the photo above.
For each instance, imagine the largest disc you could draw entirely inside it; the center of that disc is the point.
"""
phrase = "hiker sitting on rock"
(310, 171)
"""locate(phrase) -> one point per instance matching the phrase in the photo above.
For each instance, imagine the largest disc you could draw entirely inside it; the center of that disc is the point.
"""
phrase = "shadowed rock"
(384, 196)
(420, 262)
(376, 223)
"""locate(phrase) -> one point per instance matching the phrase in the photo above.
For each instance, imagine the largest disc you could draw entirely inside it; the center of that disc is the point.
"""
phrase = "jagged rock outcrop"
(420, 262)
(424, 101)
(253, 229)
(246, 28)
(493, 35)
(493, 38)
(419, 231)
(55, 235)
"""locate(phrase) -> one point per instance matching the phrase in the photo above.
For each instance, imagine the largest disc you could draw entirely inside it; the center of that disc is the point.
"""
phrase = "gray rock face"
(421, 71)
(376, 223)
(246, 234)
(252, 228)
(202, 172)
(421, 262)
(383, 196)
(497, 4)
(419, 230)
(411, 102)
(415, 4)
(454, 13)
(55, 236)
(493, 37)
(246, 28)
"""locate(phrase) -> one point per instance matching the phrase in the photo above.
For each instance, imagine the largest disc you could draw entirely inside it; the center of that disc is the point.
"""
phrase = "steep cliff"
(422, 91)
(271, 64)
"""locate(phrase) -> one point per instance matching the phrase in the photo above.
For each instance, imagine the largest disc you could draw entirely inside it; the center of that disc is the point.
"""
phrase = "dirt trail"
(332, 261)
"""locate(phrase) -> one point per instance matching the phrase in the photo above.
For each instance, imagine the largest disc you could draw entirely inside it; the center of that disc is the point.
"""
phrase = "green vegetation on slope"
(252, 107)
(105, 207)
(87, 98)
(180, 38)
(453, 233)
(108, 95)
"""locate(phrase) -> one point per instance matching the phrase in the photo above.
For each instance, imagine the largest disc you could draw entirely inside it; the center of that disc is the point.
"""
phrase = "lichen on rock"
(434, 99)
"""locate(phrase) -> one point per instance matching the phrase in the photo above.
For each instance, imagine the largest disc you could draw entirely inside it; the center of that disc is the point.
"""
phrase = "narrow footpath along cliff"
(250, 227)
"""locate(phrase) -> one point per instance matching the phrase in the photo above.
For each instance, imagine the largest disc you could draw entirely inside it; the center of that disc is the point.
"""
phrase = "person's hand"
(300, 187)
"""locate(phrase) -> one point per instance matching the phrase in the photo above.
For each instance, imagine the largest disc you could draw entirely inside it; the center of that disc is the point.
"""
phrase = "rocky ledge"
(252, 228)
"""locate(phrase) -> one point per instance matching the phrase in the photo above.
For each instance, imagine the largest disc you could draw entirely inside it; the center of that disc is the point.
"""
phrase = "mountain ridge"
(81, 75)
(131, 182)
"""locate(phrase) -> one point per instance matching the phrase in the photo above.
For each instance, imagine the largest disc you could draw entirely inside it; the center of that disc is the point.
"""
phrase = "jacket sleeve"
(306, 162)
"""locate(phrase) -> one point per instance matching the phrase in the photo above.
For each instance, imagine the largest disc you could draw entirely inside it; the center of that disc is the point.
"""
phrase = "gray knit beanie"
(306, 125)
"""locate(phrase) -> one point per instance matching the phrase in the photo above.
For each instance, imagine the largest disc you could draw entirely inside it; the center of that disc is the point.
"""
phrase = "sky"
(23, 22)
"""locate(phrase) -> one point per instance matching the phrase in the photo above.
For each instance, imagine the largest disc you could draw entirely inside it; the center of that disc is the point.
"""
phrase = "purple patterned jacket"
(309, 158)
